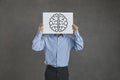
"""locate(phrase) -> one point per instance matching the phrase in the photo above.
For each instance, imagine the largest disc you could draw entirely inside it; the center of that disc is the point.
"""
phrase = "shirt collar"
(61, 35)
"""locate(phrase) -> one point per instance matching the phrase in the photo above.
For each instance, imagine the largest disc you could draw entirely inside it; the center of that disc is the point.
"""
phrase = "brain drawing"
(58, 22)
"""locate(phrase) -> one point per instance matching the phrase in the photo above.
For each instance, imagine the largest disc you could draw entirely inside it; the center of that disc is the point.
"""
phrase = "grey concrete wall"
(99, 25)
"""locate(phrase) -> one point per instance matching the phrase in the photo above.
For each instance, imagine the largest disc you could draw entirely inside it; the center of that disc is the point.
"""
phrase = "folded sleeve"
(77, 41)
(38, 42)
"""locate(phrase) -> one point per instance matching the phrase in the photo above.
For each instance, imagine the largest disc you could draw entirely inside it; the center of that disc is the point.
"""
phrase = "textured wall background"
(99, 24)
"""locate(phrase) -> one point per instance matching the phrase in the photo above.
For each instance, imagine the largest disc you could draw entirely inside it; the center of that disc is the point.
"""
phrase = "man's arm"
(77, 41)
(38, 42)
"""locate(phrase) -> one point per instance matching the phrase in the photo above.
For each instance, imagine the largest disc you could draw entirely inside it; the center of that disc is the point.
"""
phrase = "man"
(57, 51)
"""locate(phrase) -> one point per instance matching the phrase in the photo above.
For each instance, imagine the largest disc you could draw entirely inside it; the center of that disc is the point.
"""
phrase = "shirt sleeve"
(38, 42)
(77, 41)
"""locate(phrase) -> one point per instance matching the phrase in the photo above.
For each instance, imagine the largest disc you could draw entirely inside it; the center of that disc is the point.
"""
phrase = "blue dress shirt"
(57, 49)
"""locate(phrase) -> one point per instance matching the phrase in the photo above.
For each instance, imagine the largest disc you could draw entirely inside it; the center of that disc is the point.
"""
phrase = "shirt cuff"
(39, 34)
(76, 33)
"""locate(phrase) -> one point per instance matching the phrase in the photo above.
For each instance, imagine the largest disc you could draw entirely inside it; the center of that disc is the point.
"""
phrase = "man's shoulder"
(69, 36)
(46, 35)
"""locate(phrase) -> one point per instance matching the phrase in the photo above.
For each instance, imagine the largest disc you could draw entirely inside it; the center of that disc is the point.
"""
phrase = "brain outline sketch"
(58, 22)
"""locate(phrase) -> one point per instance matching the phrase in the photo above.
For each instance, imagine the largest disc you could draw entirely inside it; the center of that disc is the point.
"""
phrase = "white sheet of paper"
(57, 22)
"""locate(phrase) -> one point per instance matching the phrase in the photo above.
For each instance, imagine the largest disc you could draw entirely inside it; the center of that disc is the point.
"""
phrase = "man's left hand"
(75, 27)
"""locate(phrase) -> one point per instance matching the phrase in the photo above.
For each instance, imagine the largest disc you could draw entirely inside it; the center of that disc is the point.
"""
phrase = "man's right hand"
(40, 27)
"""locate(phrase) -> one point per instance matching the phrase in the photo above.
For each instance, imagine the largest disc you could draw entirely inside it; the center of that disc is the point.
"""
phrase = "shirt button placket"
(57, 49)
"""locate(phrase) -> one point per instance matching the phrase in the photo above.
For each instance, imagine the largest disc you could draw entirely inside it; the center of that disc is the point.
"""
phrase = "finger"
(41, 24)
(41, 27)
(73, 24)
